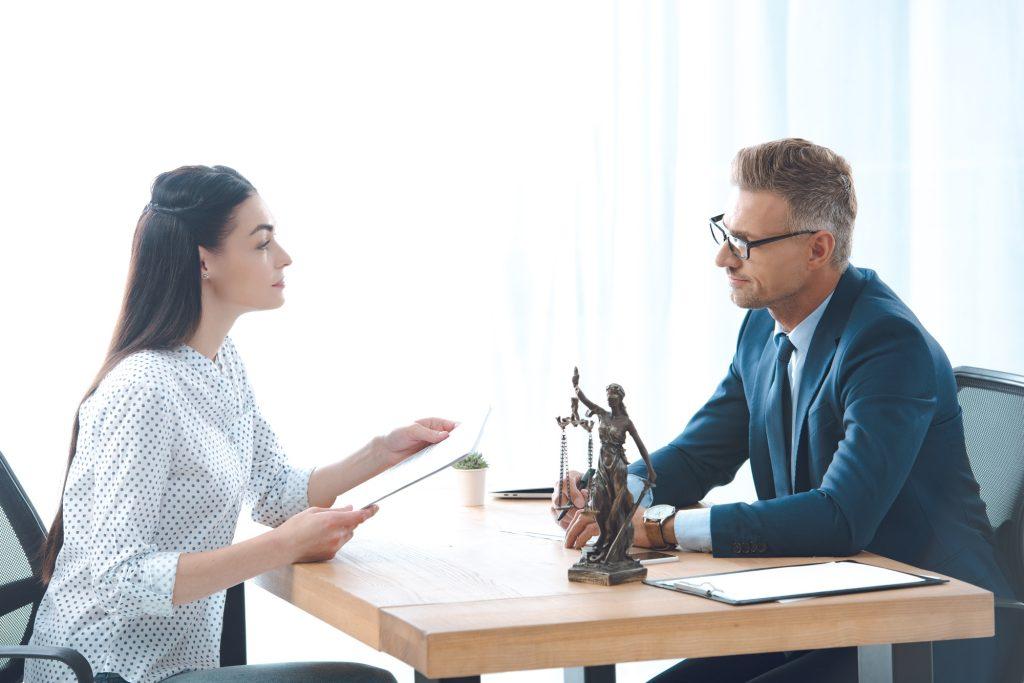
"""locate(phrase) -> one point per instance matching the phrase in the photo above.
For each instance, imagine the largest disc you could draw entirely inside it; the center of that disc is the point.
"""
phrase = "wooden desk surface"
(452, 592)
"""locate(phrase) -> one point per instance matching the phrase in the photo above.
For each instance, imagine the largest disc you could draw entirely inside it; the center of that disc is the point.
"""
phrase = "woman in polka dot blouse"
(167, 444)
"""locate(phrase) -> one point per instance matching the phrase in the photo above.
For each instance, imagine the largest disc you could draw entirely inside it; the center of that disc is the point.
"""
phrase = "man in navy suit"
(844, 405)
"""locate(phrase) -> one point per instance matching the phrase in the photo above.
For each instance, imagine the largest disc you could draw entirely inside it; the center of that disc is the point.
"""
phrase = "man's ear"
(822, 246)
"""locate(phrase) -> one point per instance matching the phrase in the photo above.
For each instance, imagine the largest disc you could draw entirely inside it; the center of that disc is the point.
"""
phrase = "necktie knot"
(785, 347)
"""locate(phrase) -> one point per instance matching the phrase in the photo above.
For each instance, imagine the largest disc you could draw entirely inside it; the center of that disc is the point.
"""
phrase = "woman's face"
(247, 273)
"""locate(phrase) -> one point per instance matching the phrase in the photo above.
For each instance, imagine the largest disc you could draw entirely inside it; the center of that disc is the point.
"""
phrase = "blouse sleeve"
(276, 490)
(134, 438)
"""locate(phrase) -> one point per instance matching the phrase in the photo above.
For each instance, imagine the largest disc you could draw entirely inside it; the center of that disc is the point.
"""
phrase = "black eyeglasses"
(739, 246)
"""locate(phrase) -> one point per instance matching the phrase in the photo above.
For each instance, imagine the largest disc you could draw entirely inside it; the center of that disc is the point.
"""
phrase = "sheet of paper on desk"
(540, 527)
(462, 440)
(799, 579)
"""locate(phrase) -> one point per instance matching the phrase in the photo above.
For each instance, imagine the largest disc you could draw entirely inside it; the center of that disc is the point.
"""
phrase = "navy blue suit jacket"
(879, 428)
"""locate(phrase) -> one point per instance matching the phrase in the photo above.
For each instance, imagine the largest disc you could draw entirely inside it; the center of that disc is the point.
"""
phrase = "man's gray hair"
(815, 181)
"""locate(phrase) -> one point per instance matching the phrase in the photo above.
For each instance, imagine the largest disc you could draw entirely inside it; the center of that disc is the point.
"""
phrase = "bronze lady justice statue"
(610, 499)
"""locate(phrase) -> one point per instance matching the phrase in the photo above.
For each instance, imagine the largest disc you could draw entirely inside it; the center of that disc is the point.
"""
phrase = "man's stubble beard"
(749, 300)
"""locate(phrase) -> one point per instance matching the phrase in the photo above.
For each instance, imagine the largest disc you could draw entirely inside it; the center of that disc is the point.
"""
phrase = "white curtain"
(924, 99)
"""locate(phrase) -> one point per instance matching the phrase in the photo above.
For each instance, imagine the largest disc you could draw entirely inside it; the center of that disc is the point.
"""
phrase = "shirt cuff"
(635, 485)
(295, 496)
(288, 497)
(693, 530)
(142, 586)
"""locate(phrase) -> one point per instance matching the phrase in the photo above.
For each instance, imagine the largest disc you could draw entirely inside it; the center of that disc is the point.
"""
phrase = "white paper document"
(461, 441)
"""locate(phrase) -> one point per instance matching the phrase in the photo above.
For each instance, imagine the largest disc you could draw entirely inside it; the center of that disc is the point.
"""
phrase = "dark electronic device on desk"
(646, 557)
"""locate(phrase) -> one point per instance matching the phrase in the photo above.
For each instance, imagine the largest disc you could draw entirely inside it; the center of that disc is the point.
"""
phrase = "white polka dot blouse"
(169, 445)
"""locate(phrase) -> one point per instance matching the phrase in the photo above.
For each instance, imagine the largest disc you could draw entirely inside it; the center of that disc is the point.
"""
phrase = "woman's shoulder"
(148, 371)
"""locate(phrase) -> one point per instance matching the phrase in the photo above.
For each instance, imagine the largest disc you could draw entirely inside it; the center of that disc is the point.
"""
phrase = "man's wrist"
(668, 530)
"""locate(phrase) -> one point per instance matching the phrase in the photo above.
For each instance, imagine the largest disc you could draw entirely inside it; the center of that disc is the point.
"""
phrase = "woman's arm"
(330, 481)
(310, 536)
(201, 574)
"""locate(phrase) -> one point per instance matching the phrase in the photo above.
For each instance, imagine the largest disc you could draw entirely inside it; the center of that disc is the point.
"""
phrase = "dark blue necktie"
(780, 405)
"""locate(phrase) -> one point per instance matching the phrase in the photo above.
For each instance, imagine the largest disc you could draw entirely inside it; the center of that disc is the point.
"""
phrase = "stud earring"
(206, 276)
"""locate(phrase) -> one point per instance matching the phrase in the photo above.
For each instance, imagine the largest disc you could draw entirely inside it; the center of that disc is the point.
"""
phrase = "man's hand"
(640, 539)
(581, 529)
(570, 493)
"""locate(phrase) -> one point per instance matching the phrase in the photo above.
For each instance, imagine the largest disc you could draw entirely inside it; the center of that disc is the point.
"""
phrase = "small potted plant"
(471, 472)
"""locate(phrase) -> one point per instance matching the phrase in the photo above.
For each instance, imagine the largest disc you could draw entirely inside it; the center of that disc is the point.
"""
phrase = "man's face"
(774, 271)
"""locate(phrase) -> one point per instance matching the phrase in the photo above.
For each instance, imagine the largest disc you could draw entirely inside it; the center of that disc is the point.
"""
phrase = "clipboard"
(753, 586)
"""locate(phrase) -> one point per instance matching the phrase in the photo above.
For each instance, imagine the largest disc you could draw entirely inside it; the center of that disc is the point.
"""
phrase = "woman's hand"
(404, 441)
(317, 534)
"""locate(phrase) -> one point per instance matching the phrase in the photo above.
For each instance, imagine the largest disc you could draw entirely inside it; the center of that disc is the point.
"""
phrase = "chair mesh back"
(14, 562)
(993, 414)
(21, 536)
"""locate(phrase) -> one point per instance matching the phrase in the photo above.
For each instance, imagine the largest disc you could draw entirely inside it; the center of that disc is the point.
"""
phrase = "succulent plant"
(472, 461)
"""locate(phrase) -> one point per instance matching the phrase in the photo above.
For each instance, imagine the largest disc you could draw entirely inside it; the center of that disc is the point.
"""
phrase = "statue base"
(607, 574)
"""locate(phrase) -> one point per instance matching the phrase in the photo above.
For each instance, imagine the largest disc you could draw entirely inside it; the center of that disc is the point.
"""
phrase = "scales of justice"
(609, 502)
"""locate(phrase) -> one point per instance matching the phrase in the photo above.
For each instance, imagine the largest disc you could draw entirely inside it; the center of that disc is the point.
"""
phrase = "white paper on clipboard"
(461, 441)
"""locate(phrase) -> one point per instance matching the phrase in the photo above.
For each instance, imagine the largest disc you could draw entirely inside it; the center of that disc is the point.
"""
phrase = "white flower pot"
(471, 486)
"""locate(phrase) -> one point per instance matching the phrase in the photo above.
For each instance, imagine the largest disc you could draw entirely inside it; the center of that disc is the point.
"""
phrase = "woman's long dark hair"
(190, 207)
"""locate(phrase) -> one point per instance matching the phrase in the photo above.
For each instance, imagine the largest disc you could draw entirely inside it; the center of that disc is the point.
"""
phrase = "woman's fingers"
(438, 423)
(422, 432)
(349, 518)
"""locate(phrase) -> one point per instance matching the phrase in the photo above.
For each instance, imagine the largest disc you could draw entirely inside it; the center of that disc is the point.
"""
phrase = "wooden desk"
(450, 591)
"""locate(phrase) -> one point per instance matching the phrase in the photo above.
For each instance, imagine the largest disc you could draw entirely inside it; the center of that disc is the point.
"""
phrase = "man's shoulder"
(878, 310)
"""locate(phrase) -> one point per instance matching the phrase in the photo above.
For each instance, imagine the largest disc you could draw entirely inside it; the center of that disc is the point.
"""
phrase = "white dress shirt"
(168, 446)
(693, 527)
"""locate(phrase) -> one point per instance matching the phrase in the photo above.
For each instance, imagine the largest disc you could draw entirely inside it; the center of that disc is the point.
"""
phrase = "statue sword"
(629, 520)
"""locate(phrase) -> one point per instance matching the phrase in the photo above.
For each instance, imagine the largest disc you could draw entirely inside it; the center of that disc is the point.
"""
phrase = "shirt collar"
(801, 335)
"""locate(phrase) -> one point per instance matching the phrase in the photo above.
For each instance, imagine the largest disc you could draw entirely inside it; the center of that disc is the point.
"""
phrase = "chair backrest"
(993, 414)
(21, 536)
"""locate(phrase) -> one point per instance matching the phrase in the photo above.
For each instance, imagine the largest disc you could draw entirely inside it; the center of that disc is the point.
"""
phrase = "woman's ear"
(204, 263)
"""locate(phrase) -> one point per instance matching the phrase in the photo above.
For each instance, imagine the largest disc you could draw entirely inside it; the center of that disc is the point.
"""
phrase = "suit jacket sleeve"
(887, 393)
(709, 451)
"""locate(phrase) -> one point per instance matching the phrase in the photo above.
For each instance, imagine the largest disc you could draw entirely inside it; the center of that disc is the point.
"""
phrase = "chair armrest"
(70, 657)
(1005, 603)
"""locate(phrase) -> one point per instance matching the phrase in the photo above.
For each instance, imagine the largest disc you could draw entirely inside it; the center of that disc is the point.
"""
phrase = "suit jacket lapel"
(822, 350)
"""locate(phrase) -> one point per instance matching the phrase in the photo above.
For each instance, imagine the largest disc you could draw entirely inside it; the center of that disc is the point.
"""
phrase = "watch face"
(657, 513)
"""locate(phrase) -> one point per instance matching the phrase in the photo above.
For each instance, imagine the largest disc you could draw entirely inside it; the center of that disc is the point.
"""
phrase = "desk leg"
(897, 663)
(420, 678)
(591, 674)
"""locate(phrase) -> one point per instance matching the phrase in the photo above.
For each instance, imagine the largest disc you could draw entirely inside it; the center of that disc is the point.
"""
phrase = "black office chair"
(21, 536)
(993, 414)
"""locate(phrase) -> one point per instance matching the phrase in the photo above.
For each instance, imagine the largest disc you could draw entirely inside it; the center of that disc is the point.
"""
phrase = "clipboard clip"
(708, 588)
